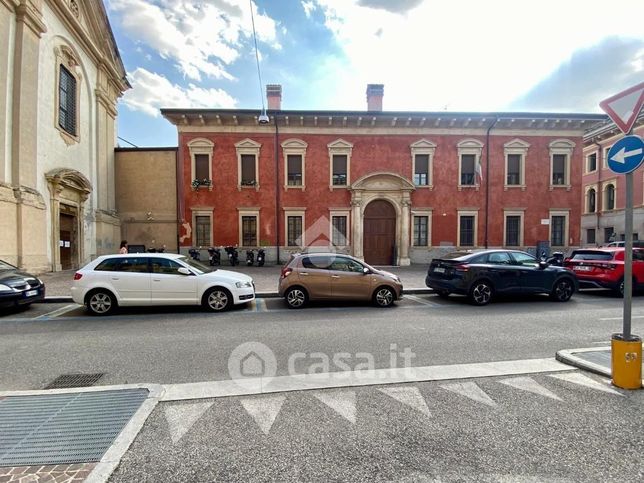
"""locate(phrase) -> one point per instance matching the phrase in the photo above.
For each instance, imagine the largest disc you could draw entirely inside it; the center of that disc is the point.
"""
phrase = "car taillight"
(78, 276)
(607, 266)
(461, 268)
(286, 271)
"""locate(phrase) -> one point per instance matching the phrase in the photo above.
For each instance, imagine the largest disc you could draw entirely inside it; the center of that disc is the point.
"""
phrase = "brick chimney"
(274, 96)
(374, 96)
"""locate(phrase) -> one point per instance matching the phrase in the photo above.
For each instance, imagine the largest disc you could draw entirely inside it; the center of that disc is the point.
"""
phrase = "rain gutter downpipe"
(599, 195)
(277, 190)
(487, 178)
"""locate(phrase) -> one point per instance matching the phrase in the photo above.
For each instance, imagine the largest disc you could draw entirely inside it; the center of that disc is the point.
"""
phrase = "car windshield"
(6, 266)
(198, 267)
(593, 255)
(524, 259)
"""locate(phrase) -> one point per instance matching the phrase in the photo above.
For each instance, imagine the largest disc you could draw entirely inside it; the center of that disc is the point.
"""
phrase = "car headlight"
(244, 285)
(5, 288)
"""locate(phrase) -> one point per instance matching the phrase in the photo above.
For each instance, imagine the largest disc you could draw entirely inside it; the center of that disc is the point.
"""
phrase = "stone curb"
(67, 299)
(568, 357)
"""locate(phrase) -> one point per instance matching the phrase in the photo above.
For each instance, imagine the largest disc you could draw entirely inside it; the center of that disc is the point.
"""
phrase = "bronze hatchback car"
(330, 276)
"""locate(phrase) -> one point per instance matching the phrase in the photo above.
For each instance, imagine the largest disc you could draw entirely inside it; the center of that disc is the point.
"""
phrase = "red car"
(604, 268)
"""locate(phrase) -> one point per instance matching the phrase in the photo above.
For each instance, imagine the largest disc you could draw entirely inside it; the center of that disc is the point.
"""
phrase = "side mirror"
(184, 271)
(366, 271)
(543, 264)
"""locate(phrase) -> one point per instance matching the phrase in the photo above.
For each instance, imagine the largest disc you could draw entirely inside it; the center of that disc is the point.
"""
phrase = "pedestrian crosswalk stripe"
(577, 378)
(471, 390)
(342, 402)
(181, 417)
(530, 385)
(421, 301)
(264, 410)
(410, 396)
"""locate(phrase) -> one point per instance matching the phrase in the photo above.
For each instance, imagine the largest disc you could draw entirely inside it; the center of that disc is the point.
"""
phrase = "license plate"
(582, 268)
(31, 293)
(439, 270)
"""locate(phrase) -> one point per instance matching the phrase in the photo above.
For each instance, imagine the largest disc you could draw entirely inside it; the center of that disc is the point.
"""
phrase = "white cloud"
(308, 7)
(201, 38)
(151, 91)
(468, 55)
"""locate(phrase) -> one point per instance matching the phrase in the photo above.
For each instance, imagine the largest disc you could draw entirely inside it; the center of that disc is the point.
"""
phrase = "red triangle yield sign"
(623, 108)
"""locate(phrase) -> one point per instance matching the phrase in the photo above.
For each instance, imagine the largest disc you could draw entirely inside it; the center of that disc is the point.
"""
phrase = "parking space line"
(620, 318)
(421, 301)
(260, 305)
(57, 312)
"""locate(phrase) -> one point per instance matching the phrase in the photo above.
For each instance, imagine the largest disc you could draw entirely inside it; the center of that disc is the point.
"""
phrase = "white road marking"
(181, 417)
(260, 305)
(604, 342)
(471, 390)
(620, 318)
(421, 301)
(58, 312)
(410, 396)
(264, 410)
(342, 402)
(578, 378)
(530, 385)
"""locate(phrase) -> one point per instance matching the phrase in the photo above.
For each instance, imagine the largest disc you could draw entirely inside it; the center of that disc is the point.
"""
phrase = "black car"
(18, 288)
(481, 275)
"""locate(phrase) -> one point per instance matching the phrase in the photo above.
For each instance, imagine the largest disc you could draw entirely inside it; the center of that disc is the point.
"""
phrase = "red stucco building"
(389, 187)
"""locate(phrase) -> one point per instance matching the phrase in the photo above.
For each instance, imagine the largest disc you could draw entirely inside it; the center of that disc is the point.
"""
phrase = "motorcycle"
(557, 259)
(233, 256)
(214, 256)
(250, 257)
(260, 257)
(194, 254)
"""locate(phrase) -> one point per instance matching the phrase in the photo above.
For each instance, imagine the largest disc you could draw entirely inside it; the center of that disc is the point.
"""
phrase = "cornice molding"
(28, 14)
(10, 4)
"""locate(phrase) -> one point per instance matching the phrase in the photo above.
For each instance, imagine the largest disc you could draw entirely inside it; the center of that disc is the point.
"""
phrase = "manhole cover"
(64, 428)
(74, 380)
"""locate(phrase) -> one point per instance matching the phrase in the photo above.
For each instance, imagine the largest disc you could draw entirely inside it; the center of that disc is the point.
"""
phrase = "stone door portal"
(379, 233)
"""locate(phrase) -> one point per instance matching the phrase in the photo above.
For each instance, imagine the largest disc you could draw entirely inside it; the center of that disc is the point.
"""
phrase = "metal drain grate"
(74, 380)
(63, 428)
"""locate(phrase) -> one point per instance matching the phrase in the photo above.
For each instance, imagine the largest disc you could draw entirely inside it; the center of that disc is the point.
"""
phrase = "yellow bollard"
(626, 361)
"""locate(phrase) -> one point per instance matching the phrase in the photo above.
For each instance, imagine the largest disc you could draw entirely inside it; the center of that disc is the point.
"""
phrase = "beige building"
(57, 133)
(146, 196)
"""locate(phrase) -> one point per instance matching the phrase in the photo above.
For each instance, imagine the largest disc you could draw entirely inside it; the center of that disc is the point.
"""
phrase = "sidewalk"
(58, 284)
(592, 359)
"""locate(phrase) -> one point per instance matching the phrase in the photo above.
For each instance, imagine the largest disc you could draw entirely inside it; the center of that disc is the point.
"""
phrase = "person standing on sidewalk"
(123, 248)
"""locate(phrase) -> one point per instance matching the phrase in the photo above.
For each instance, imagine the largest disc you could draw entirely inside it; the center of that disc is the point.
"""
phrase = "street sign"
(623, 108)
(626, 155)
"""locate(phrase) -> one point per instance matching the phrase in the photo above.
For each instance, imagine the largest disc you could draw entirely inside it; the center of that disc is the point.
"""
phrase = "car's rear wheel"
(620, 288)
(384, 297)
(296, 297)
(563, 290)
(481, 292)
(217, 299)
(101, 302)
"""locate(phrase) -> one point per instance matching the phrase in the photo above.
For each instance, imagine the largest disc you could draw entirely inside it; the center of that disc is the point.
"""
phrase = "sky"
(448, 55)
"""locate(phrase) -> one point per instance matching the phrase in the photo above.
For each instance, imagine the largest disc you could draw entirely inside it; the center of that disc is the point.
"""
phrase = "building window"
(515, 153)
(469, 158)
(609, 197)
(295, 162)
(421, 231)
(591, 163)
(67, 101)
(560, 154)
(339, 230)
(467, 228)
(248, 162)
(513, 231)
(605, 156)
(591, 204)
(422, 154)
(294, 231)
(590, 236)
(558, 229)
(249, 230)
(247, 165)
(294, 170)
(339, 175)
(201, 151)
(609, 234)
(202, 231)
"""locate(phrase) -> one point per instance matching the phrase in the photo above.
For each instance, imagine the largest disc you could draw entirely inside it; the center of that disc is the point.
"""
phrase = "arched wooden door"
(379, 233)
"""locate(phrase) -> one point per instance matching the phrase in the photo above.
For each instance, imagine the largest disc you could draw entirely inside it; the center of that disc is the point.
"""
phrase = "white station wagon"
(157, 279)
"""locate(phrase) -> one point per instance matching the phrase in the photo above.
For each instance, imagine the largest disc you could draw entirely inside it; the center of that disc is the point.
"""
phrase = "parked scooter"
(194, 254)
(233, 256)
(250, 257)
(556, 259)
(214, 256)
(260, 257)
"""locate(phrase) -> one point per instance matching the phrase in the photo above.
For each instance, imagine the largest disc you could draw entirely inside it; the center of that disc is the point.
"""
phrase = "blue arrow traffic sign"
(626, 155)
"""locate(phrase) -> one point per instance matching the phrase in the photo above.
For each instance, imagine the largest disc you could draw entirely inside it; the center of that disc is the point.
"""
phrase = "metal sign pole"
(628, 258)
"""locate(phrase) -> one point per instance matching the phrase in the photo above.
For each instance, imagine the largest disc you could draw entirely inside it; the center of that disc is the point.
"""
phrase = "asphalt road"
(483, 430)
(187, 345)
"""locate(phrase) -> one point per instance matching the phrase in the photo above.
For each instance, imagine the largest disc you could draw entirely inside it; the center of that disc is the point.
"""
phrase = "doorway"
(67, 240)
(379, 233)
